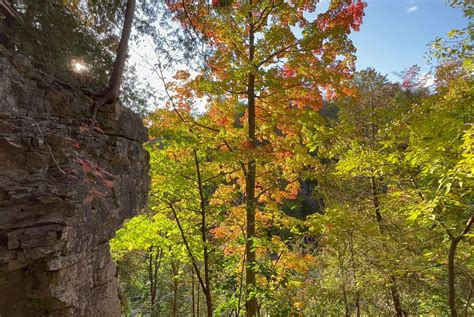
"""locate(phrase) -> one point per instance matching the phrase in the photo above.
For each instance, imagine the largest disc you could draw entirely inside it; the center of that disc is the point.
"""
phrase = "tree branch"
(185, 240)
(276, 53)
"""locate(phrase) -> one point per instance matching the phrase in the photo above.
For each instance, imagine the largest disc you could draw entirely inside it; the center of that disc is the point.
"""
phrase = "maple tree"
(303, 187)
(263, 71)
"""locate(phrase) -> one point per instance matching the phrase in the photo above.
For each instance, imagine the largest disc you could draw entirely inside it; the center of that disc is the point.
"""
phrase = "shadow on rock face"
(65, 188)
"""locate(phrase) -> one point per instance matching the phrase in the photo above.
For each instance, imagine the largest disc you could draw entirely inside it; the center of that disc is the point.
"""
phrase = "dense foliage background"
(284, 182)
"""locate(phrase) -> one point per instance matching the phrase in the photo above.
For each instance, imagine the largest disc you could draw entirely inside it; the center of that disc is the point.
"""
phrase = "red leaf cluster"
(410, 77)
(356, 11)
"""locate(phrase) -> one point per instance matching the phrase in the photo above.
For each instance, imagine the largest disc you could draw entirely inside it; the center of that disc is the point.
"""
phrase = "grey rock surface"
(65, 188)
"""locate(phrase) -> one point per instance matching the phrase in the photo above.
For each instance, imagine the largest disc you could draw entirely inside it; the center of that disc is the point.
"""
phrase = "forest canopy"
(285, 182)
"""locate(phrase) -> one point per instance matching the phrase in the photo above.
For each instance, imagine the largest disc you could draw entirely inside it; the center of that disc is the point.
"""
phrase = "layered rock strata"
(65, 188)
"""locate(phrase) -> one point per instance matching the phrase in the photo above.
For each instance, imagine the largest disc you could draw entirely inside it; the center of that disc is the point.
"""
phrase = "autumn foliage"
(298, 186)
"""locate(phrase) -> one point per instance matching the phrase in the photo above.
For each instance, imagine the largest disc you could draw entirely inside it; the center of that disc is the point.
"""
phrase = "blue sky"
(395, 33)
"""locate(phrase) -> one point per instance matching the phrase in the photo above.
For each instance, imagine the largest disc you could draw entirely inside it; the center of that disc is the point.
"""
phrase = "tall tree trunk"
(154, 263)
(395, 297)
(451, 277)
(375, 201)
(451, 257)
(354, 275)
(157, 263)
(451, 265)
(190, 252)
(6, 9)
(198, 312)
(468, 300)
(242, 273)
(151, 278)
(343, 284)
(250, 278)
(192, 294)
(393, 285)
(110, 94)
(174, 311)
(207, 290)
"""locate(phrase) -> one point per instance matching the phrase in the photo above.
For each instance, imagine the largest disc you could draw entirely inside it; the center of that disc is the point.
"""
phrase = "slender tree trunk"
(468, 300)
(451, 277)
(158, 258)
(250, 278)
(192, 294)
(174, 268)
(202, 282)
(393, 285)
(154, 263)
(188, 248)
(151, 278)
(375, 200)
(395, 297)
(451, 265)
(242, 272)
(110, 94)
(207, 291)
(357, 305)
(343, 284)
(451, 257)
(209, 304)
(6, 9)
(354, 275)
(198, 313)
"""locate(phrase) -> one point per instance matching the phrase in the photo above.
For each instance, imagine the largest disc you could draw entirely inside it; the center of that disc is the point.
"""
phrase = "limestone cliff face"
(65, 188)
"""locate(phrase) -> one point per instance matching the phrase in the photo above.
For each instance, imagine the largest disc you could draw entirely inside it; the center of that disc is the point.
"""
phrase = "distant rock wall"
(65, 188)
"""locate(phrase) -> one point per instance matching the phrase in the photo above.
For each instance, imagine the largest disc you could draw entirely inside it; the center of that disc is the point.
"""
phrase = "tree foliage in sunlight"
(304, 187)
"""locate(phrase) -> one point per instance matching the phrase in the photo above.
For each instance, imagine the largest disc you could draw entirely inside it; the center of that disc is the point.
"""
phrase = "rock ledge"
(65, 188)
